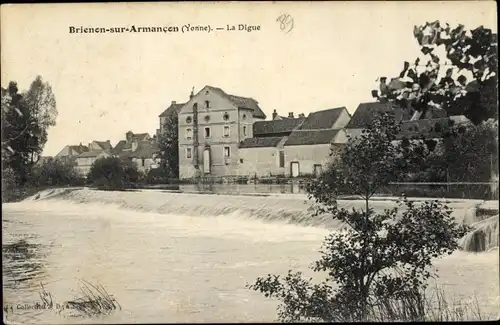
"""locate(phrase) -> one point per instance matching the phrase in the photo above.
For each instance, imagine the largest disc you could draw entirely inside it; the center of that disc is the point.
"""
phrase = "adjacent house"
(309, 149)
(212, 124)
(172, 110)
(293, 146)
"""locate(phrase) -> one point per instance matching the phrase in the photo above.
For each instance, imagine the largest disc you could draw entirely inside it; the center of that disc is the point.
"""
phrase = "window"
(282, 159)
(189, 153)
(142, 162)
(244, 130)
(207, 118)
(207, 132)
(189, 119)
(241, 160)
(207, 104)
(226, 116)
(244, 116)
(227, 152)
(226, 131)
(189, 133)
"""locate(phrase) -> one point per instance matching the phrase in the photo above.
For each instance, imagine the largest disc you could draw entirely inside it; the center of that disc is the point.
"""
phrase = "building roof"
(145, 149)
(366, 113)
(427, 128)
(241, 102)
(141, 136)
(310, 137)
(173, 108)
(105, 145)
(322, 119)
(260, 142)
(90, 154)
(276, 126)
(79, 148)
(120, 146)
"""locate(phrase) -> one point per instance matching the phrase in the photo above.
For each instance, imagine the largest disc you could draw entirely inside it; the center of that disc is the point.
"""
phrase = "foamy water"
(170, 257)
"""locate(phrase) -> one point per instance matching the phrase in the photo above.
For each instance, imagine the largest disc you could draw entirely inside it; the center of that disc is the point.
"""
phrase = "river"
(171, 257)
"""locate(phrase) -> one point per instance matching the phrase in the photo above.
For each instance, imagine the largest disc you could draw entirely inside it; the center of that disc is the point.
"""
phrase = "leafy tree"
(42, 104)
(472, 51)
(470, 153)
(113, 173)
(380, 259)
(55, 172)
(25, 122)
(168, 144)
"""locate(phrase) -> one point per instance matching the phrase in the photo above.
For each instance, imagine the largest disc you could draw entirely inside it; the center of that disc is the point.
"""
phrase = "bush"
(157, 176)
(10, 182)
(379, 257)
(113, 173)
(55, 172)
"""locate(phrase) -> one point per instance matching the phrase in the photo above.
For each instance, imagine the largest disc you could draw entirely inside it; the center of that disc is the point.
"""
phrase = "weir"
(291, 209)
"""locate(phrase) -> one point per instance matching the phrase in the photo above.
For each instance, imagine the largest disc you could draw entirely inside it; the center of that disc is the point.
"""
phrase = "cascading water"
(294, 209)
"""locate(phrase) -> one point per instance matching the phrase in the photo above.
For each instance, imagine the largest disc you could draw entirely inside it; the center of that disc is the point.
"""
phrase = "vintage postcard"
(249, 162)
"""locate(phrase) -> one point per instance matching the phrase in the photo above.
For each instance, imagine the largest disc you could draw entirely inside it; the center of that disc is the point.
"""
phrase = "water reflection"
(23, 264)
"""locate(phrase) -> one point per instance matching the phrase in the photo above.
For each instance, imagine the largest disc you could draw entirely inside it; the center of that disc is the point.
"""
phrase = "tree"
(26, 119)
(42, 104)
(470, 153)
(113, 173)
(168, 144)
(472, 52)
(381, 258)
(20, 132)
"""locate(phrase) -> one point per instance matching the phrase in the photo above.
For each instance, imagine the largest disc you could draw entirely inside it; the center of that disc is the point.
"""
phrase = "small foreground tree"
(381, 260)
(113, 173)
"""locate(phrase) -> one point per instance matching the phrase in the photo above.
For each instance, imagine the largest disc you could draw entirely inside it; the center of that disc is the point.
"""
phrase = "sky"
(108, 84)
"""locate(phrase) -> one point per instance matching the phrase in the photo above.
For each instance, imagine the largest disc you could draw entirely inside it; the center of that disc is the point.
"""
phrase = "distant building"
(85, 160)
(139, 148)
(70, 152)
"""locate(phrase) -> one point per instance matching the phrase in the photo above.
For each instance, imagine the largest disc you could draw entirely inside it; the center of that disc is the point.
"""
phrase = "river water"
(169, 257)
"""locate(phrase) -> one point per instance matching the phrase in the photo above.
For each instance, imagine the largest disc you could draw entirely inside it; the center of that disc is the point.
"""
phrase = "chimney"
(290, 114)
(301, 115)
(274, 114)
(192, 93)
(174, 102)
(128, 136)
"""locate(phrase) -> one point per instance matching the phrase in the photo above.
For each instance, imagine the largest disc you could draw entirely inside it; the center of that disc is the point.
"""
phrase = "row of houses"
(225, 135)
(140, 148)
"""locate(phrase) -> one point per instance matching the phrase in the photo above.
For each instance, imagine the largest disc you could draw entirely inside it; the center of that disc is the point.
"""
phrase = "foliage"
(55, 172)
(471, 154)
(471, 52)
(379, 256)
(26, 119)
(9, 182)
(113, 173)
(168, 143)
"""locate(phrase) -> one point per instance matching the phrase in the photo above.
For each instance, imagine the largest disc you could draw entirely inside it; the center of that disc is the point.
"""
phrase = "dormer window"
(207, 104)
